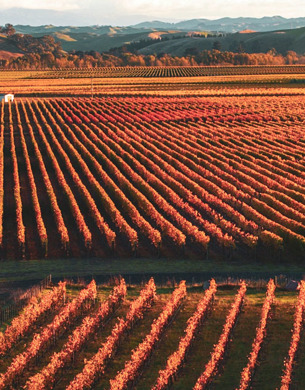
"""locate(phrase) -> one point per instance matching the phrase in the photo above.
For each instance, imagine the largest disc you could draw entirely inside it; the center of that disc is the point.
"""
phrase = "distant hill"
(97, 38)
(230, 25)
(254, 42)
(159, 37)
(96, 30)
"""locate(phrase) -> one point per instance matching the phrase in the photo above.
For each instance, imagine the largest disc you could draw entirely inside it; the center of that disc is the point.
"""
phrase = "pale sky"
(124, 12)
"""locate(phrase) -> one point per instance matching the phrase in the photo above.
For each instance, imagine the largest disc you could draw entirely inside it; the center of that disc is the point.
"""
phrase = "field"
(176, 173)
(157, 72)
(201, 177)
(51, 341)
(160, 81)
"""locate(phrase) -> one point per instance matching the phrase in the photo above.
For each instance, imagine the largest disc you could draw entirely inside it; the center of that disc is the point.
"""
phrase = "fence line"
(193, 279)
(13, 309)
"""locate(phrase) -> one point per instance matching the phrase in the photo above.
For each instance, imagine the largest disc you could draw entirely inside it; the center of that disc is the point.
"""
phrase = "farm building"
(9, 97)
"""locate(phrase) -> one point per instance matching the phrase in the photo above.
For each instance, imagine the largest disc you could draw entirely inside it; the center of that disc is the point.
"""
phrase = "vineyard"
(168, 71)
(151, 176)
(180, 81)
(144, 337)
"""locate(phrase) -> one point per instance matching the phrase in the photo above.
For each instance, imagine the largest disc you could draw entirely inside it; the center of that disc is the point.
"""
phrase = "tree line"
(51, 60)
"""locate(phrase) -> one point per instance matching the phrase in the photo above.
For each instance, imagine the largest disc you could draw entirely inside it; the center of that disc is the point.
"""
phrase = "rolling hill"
(176, 39)
(7, 49)
(255, 42)
(97, 38)
(103, 38)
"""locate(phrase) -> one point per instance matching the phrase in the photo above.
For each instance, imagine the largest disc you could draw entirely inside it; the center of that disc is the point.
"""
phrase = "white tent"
(9, 97)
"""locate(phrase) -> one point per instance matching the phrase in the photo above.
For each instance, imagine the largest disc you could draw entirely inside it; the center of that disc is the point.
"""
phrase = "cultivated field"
(206, 177)
(160, 71)
(165, 171)
(179, 81)
(225, 338)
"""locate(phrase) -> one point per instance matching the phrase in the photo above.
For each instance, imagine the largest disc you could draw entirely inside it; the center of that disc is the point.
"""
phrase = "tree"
(291, 57)
(47, 60)
(272, 52)
(8, 29)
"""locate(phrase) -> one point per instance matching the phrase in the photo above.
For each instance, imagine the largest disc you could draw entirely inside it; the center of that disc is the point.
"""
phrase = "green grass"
(169, 342)
(271, 359)
(243, 336)
(299, 371)
(207, 337)
(34, 270)
(277, 342)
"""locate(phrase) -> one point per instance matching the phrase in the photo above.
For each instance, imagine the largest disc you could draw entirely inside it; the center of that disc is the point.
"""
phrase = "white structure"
(9, 97)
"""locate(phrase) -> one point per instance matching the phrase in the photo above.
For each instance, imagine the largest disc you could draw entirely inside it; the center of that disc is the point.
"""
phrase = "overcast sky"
(124, 12)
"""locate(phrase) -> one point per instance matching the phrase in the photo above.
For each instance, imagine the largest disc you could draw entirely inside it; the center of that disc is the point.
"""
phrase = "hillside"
(93, 30)
(255, 42)
(172, 41)
(97, 38)
(8, 49)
